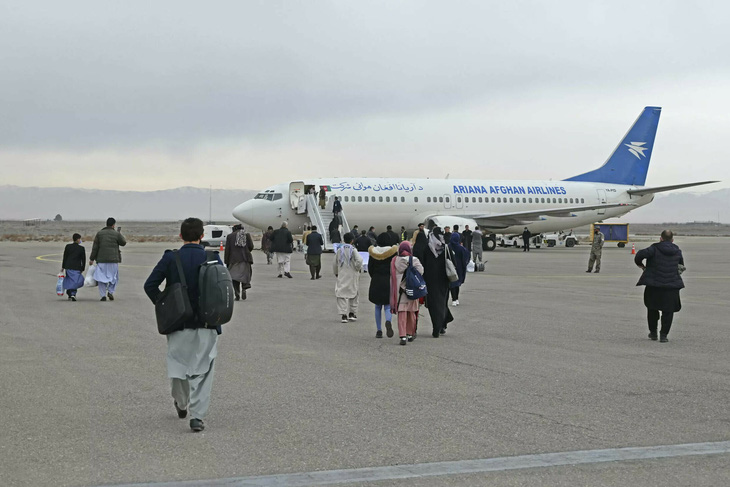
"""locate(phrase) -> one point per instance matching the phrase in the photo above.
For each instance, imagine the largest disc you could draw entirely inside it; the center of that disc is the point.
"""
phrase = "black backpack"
(215, 304)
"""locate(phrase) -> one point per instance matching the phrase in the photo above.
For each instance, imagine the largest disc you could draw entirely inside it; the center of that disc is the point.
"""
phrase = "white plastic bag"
(59, 284)
(470, 266)
(89, 280)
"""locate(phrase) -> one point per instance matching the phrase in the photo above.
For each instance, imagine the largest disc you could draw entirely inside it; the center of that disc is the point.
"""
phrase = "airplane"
(496, 206)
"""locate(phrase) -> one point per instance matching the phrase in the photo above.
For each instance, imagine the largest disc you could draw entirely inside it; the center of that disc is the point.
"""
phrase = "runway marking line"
(44, 258)
(462, 467)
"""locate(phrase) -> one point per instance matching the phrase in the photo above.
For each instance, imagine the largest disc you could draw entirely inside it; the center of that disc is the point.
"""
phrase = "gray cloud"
(92, 75)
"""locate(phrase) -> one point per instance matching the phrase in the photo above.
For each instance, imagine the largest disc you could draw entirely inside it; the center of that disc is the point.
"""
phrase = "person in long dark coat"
(420, 243)
(239, 260)
(337, 207)
(434, 265)
(314, 244)
(662, 279)
(334, 229)
(379, 292)
(461, 260)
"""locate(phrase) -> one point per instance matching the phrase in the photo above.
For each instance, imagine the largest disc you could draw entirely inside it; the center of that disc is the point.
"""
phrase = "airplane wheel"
(490, 244)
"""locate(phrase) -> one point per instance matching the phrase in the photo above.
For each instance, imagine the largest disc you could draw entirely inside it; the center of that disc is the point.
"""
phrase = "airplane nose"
(244, 213)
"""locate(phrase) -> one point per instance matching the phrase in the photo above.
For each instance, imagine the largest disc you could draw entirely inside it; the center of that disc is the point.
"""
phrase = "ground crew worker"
(596, 248)
(526, 240)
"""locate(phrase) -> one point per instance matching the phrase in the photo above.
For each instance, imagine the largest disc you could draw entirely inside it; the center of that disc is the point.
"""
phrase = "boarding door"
(447, 201)
(601, 200)
(296, 197)
(459, 201)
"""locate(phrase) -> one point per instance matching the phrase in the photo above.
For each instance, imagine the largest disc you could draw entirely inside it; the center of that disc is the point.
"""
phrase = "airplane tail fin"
(629, 162)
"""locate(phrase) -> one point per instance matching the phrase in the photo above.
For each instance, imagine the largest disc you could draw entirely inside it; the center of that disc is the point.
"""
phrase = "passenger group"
(404, 274)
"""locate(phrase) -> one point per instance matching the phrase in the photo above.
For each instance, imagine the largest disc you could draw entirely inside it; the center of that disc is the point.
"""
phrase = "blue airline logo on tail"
(636, 149)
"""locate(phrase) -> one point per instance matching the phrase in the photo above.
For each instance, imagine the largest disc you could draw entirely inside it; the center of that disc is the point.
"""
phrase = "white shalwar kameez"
(191, 357)
(107, 276)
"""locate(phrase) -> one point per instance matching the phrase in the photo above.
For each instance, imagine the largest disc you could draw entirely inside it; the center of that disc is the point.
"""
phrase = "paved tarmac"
(542, 359)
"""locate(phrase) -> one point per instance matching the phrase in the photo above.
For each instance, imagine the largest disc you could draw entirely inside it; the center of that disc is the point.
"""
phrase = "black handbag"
(172, 307)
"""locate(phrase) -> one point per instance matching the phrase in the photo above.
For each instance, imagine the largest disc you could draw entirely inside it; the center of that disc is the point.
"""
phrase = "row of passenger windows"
(474, 199)
(500, 199)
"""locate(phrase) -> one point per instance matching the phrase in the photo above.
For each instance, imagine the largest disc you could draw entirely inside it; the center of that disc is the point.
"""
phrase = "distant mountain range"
(19, 203)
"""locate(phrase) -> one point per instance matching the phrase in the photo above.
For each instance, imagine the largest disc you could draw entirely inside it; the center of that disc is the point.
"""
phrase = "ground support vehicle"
(516, 241)
(560, 239)
(613, 232)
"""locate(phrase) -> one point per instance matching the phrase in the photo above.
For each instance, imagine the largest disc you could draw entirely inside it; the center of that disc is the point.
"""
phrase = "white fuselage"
(405, 202)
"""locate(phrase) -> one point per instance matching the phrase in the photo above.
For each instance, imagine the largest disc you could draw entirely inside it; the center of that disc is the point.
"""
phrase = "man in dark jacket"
(314, 244)
(372, 236)
(337, 208)
(662, 279)
(394, 240)
(191, 352)
(282, 244)
(105, 252)
(355, 232)
(335, 236)
(266, 243)
(74, 262)
(362, 244)
(466, 238)
(526, 240)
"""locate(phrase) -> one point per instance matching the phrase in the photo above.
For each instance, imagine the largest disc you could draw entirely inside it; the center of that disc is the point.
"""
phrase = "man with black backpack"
(192, 346)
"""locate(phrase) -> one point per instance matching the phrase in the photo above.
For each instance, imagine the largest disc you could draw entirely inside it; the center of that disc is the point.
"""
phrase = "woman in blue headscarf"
(461, 259)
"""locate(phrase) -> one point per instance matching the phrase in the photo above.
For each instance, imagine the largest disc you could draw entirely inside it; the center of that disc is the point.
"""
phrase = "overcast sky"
(153, 95)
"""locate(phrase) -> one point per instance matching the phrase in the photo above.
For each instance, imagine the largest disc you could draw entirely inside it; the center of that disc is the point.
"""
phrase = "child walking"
(74, 262)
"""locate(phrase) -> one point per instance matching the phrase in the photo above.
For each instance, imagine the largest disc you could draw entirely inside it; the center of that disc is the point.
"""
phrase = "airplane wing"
(504, 220)
(659, 189)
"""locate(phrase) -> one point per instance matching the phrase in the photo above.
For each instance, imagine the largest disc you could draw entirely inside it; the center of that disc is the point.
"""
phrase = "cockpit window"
(277, 196)
(260, 196)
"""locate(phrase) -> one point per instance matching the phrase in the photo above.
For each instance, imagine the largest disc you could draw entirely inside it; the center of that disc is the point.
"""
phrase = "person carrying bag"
(172, 306)
(197, 299)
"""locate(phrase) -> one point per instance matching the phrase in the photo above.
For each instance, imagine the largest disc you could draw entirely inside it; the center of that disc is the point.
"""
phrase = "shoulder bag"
(450, 267)
(172, 307)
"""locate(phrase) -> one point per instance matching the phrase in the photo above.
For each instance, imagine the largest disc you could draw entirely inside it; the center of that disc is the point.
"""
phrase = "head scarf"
(455, 241)
(436, 241)
(240, 237)
(345, 254)
(404, 249)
